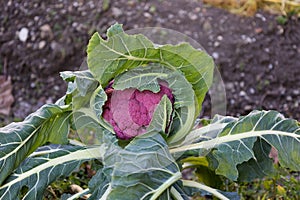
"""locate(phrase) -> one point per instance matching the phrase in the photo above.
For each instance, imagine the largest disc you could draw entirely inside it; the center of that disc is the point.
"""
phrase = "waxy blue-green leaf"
(83, 80)
(17, 140)
(45, 166)
(99, 185)
(162, 116)
(121, 52)
(233, 144)
(143, 170)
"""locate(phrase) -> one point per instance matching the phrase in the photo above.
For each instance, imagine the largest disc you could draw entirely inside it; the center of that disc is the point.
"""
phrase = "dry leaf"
(6, 97)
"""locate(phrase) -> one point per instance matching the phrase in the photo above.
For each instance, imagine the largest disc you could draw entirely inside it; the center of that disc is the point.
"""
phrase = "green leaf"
(142, 78)
(43, 167)
(259, 167)
(162, 116)
(98, 185)
(234, 144)
(98, 100)
(144, 169)
(121, 52)
(17, 140)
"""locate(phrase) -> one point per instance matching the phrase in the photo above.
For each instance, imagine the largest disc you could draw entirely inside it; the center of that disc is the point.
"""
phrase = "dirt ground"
(257, 56)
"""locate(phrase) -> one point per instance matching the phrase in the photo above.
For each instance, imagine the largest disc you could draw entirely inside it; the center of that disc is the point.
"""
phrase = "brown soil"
(257, 57)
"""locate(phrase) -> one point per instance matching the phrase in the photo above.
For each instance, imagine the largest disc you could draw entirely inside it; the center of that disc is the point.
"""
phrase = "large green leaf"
(143, 169)
(120, 52)
(17, 140)
(43, 167)
(233, 145)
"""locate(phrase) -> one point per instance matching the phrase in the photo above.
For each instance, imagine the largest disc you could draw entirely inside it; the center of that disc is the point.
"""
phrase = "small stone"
(215, 55)
(258, 30)
(220, 37)
(147, 15)
(46, 31)
(216, 44)
(182, 13)
(116, 12)
(247, 107)
(242, 84)
(242, 93)
(42, 44)
(170, 16)
(296, 92)
(258, 15)
(23, 34)
(252, 91)
(56, 87)
(289, 98)
(229, 86)
(192, 16)
(280, 30)
(270, 66)
(49, 101)
(232, 101)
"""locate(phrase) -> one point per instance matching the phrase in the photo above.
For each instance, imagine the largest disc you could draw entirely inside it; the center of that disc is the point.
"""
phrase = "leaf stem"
(79, 194)
(200, 186)
(166, 184)
(176, 194)
(229, 138)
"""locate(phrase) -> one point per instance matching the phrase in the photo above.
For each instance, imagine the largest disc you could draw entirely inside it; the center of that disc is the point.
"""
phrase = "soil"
(258, 57)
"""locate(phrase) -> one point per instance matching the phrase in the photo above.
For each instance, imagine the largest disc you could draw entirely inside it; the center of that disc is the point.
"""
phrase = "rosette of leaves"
(37, 151)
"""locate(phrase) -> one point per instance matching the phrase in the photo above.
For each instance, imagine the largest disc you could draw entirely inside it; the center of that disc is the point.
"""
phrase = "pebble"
(270, 66)
(42, 44)
(56, 87)
(116, 12)
(46, 31)
(181, 13)
(232, 101)
(220, 37)
(247, 107)
(242, 84)
(258, 15)
(216, 44)
(192, 16)
(170, 16)
(242, 93)
(296, 92)
(289, 98)
(23, 34)
(147, 15)
(251, 90)
(229, 86)
(215, 55)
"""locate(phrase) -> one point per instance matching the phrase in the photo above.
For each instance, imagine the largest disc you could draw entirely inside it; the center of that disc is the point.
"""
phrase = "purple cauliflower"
(130, 111)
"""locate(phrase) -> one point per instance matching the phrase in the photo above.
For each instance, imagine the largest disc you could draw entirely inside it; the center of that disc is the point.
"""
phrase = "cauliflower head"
(130, 111)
